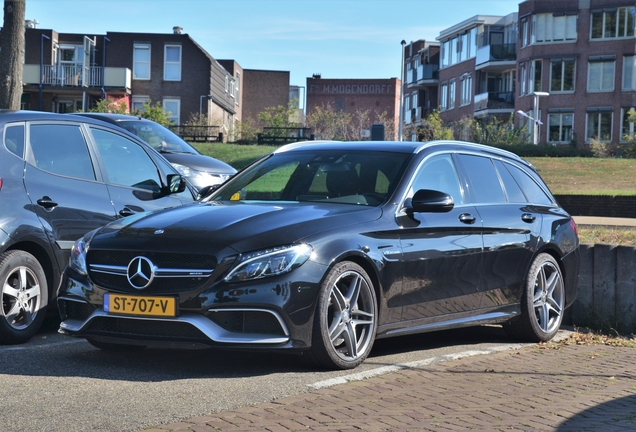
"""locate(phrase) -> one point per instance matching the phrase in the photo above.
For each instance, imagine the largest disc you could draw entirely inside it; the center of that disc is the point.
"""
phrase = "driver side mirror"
(431, 201)
(176, 184)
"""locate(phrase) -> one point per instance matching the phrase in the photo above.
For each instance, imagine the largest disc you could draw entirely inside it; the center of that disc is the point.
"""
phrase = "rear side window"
(530, 188)
(513, 191)
(61, 149)
(483, 179)
(14, 140)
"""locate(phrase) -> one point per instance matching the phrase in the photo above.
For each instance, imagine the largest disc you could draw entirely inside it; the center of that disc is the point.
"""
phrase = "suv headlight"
(269, 262)
(77, 261)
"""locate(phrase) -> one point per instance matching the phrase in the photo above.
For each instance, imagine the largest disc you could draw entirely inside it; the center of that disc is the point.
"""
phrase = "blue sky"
(336, 38)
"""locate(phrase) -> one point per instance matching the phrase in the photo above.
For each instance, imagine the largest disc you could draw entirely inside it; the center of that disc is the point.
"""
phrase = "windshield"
(159, 137)
(340, 176)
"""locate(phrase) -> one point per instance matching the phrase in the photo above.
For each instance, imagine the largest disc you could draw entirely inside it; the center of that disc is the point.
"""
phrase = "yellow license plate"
(140, 305)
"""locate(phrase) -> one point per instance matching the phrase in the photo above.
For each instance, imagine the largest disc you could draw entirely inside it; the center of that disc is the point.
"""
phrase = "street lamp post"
(401, 116)
(201, 103)
(537, 122)
(41, 68)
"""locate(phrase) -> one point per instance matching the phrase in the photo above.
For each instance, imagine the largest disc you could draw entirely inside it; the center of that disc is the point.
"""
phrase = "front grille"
(158, 286)
(148, 329)
(162, 260)
(245, 321)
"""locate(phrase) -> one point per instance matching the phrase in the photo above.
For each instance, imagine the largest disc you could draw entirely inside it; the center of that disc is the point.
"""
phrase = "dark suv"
(60, 177)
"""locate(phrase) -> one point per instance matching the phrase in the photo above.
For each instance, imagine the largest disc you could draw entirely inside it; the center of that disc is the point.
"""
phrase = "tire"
(542, 304)
(106, 346)
(25, 295)
(345, 321)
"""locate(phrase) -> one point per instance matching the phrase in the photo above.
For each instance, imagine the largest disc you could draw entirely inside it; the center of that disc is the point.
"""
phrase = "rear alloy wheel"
(24, 296)
(543, 302)
(346, 318)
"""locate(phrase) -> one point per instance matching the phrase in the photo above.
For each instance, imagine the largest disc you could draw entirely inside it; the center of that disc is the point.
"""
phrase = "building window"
(172, 63)
(562, 75)
(524, 32)
(141, 61)
(232, 88)
(236, 88)
(613, 23)
(227, 84)
(172, 108)
(600, 75)
(522, 77)
(599, 124)
(553, 28)
(560, 127)
(534, 81)
(137, 103)
(627, 131)
(467, 90)
(444, 97)
(452, 91)
(629, 73)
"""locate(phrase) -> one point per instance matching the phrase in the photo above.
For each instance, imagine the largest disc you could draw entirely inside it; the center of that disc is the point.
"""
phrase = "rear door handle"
(467, 218)
(130, 210)
(47, 202)
(527, 217)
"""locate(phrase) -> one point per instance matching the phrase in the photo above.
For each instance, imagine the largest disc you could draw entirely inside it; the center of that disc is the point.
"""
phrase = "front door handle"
(527, 217)
(130, 210)
(467, 218)
(47, 202)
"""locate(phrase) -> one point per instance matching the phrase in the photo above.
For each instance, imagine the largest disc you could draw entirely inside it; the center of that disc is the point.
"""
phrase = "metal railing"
(72, 75)
(198, 133)
(273, 135)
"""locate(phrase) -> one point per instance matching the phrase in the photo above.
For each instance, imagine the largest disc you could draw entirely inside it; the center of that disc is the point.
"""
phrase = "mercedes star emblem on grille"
(141, 272)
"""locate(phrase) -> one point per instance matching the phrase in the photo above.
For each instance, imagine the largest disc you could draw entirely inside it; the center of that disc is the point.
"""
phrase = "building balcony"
(494, 102)
(69, 76)
(496, 57)
(422, 76)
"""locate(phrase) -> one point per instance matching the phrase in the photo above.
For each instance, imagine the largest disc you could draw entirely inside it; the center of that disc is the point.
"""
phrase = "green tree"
(329, 123)
(154, 112)
(12, 54)
(278, 117)
(494, 131)
(433, 128)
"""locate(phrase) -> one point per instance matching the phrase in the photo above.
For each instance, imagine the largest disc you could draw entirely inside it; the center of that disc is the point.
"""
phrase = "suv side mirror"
(431, 201)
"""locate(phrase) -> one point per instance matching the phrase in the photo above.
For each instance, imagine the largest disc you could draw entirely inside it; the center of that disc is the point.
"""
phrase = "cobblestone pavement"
(554, 387)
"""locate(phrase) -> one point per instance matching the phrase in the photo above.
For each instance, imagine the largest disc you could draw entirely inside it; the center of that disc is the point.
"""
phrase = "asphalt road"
(56, 383)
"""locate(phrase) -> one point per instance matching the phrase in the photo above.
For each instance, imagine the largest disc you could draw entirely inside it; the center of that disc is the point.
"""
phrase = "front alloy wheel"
(345, 322)
(24, 296)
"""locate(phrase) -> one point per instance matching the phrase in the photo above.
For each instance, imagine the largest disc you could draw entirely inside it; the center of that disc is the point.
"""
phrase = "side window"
(513, 191)
(14, 140)
(439, 173)
(483, 179)
(126, 163)
(531, 189)
(61, 149)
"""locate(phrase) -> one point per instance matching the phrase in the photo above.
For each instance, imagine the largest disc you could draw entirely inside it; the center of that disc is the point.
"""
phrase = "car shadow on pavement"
(615, 415)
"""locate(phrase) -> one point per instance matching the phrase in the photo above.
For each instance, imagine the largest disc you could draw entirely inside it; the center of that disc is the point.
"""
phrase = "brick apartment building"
(66, 72)
(580, 55)
(377, 96)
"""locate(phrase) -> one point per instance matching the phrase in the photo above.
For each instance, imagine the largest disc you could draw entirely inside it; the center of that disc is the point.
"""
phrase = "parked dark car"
(199, 169)
(321, 248)
(60, 177)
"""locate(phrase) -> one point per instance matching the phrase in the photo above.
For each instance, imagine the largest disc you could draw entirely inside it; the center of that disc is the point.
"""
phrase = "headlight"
(269, 262)
(185, 171)
(77, 261)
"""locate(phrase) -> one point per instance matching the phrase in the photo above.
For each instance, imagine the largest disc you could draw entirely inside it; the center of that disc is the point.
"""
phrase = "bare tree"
(12, 54)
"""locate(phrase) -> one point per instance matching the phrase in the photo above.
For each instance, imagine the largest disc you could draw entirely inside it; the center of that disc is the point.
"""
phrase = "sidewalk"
(553, 387)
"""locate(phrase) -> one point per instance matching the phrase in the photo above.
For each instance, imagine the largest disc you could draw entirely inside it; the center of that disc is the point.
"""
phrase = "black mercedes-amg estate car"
(60, 177)
(322, 247)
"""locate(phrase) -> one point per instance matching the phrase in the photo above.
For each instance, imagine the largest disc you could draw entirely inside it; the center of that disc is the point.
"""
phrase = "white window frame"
(523, 78)
(563, 63)
(632, 128)
(237, 92)
(466, 97)
(561, 126)
(167, 63)
(137, 103)
(602, 69)
(443, 90)
(554, 28)
(452, 94)
(596, 117)
(137, 61)
(629, 73)
(174, 117)
(625, 11)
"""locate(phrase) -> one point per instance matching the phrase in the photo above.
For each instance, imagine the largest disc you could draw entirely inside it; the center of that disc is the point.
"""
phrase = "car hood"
(200, 162)
(211, 227)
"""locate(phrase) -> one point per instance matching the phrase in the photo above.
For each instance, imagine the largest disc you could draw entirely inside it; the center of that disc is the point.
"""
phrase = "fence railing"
(198, 133)
(272, 135)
